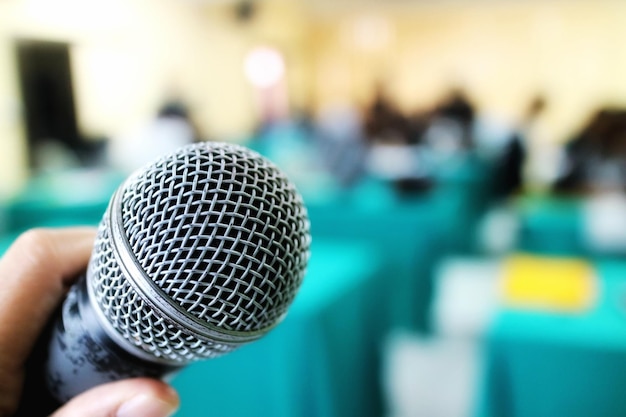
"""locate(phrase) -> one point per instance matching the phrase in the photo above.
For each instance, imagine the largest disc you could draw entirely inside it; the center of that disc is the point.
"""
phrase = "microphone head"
(198, 253)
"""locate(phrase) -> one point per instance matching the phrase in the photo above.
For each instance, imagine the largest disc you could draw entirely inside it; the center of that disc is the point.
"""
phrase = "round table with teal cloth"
(7, 240)
(77, 197)
(68, 198)
(323, 360)
(543, 364)
(552, 225)
(410, 231)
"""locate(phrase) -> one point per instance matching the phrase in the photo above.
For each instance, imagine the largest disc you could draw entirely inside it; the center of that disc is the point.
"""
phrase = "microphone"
(197, 254)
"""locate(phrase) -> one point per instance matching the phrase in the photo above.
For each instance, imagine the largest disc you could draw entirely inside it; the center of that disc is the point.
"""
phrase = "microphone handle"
(79, 355)
(36, 400)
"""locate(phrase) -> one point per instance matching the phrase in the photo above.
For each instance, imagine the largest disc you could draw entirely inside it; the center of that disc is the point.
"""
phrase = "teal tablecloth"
(465, 183)
(541, 364)
(72, 198)
(67, 198)
(410, 232)
(6, 240)
(323, 360)
(552, 225)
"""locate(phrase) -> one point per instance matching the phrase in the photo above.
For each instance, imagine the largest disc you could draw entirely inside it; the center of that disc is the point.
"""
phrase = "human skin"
(35, 274)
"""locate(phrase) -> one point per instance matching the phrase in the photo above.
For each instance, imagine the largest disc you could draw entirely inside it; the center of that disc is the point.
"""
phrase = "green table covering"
(410, 232)
(541, 364)
(323, 360)
(552, 225)
(77, 197)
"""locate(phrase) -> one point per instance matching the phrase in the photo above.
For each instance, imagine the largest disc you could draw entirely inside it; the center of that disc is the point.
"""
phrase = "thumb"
(140, 397)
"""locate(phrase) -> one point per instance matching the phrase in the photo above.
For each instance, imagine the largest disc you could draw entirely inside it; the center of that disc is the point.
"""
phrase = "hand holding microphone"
(198, 253)
(35, 274)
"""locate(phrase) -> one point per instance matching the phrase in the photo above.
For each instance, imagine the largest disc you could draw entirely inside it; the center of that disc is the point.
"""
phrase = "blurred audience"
(527, 160)
(172, 128)
(384, 122)
(342, 143)
(544, 156)
(454, 119)
(596, 157)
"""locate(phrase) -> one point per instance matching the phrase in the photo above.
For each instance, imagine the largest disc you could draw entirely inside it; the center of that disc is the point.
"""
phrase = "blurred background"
(462, 161)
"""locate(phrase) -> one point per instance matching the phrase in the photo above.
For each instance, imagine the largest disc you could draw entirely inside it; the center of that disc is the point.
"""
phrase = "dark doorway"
(47, 93)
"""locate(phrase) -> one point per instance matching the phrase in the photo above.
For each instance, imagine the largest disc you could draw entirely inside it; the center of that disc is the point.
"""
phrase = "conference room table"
(552, 224)
(411, 230)
(541, 363)
(407, 231)
(323, 360)
(67, 198)
(72, 197)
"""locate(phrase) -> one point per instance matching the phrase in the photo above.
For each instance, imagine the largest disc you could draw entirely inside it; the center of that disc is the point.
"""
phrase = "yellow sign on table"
(548, 283)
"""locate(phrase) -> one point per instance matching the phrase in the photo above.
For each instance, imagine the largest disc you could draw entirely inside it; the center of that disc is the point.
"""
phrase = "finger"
(141, 397)
(34, 276)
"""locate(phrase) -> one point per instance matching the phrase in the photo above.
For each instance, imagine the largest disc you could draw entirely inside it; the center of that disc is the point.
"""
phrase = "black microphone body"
(73, 354)
(82, 355)
(198, 253)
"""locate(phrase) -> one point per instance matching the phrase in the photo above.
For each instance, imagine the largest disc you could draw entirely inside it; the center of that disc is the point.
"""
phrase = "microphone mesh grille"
(134, 319)
(224, 235)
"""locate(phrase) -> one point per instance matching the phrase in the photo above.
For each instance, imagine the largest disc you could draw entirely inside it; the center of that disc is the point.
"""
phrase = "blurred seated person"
(531, 159)
(517, 157)
(596, 157)
(395, 154)
(508, 178)
(544, 157)
(171, 129)
(451, 124)
(341, 141)
(384, 123)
